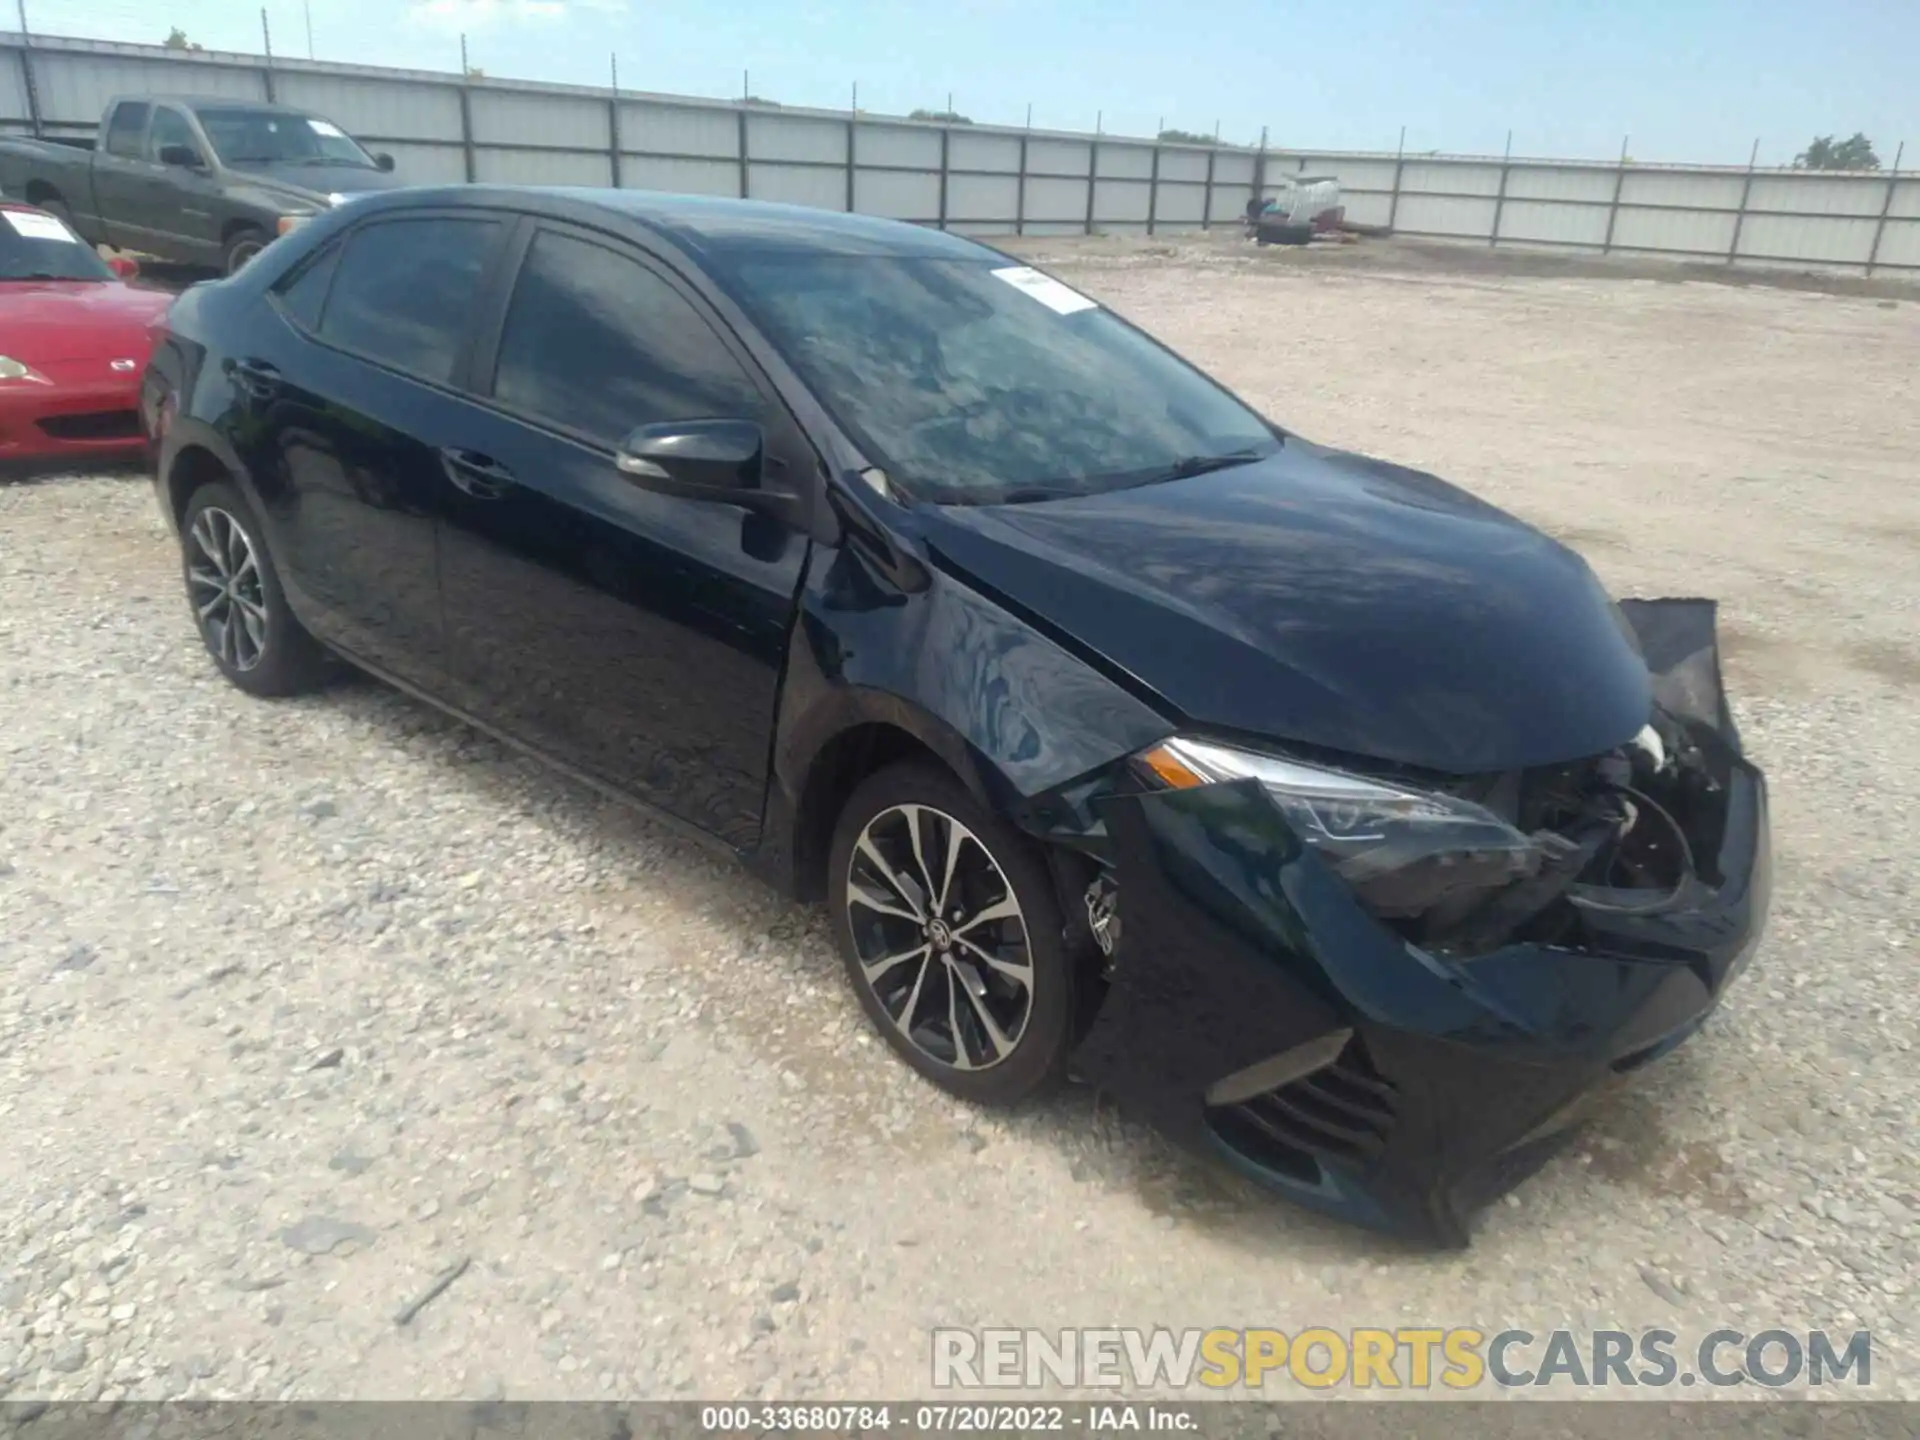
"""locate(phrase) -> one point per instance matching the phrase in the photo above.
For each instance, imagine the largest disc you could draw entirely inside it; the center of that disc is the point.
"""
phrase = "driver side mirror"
(715, 460)
(184, 156)
(384, 161)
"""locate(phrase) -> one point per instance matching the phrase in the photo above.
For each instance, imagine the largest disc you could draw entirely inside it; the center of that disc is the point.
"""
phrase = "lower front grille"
(94, 425)
(1344, 1112)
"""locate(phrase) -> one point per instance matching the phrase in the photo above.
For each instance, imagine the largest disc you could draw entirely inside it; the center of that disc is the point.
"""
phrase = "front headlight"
(11, 369)
(1404, 850)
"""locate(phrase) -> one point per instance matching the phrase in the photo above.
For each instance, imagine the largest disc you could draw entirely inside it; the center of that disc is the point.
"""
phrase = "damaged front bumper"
(1256, 1010)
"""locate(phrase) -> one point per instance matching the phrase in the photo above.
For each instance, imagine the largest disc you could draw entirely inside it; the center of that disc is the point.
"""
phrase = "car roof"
(714, 225)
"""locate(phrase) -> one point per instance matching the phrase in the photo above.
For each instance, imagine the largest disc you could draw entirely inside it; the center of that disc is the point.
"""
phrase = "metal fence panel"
(1542, 182)
(13, 86)
(1052, 200)
(75, 88)
(904, 195)
(977, 197)
(1229, 202)
(1451, 178)
(1058, 157)
(1118, 201)
(1368, 208)
(1125, 162)
(1183, 165)
(679, 130)
(392, 110)
(1823, 240)
(790, 137)
(1446, 215)
(1692, 232)
(1719, 190)
(910, 145)
(794, 185)
(1180, 203)
(1818, 195)
(970, 151)
(1900, 245)
(501, 117)
(1541, 222)
(1234, 167)
(1906, 199)
(679, 176)
(427, 164)
(539, 167)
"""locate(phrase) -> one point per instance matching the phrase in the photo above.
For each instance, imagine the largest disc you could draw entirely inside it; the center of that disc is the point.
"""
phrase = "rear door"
(119, 168)
(350, 396)
(637, 636)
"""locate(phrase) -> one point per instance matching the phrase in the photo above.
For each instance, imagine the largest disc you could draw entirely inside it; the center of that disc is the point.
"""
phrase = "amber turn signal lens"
(1172, 770)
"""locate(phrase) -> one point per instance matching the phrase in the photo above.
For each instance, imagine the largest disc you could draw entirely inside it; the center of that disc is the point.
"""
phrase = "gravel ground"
(304, 1006)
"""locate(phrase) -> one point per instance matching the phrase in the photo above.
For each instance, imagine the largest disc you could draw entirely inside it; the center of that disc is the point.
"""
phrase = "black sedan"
(1336, 821)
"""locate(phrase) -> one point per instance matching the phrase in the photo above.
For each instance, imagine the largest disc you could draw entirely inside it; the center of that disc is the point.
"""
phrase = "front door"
(637, 636)
(352, 392)
(177, 203)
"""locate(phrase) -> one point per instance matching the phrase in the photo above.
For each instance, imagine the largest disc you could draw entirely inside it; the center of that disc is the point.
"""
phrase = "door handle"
(256, 377)
(475, 474)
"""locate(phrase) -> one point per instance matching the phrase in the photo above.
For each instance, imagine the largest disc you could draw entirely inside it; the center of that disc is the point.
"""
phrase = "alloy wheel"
(223, 582)
(941, 939)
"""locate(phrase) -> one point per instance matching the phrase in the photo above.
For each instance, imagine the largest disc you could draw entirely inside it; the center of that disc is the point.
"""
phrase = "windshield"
(265, 137)
(981, 382)
(34, 246)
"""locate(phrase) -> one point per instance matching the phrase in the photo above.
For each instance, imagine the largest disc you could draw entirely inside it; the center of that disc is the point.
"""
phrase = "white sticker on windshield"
(1044, 288)
(39, 227)
(328, 129)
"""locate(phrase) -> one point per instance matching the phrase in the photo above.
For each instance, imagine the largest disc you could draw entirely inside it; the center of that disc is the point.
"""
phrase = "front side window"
(979, 381)
(598, 344)
(170, 128)
(244, 136)
(405, 289)
(125, 129)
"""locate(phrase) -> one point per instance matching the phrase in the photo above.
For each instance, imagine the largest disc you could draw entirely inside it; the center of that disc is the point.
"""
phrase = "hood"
(1330, 600)
(313, 183)
(46, 322)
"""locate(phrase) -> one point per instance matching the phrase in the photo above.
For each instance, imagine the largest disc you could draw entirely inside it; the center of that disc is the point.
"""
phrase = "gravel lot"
(304, 1004)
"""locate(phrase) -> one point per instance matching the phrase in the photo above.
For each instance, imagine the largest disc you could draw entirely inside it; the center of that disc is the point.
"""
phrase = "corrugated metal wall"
(986, 180)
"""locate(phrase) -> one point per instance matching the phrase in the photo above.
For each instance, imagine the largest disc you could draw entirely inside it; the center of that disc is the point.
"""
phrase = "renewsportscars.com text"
(1399, 1359)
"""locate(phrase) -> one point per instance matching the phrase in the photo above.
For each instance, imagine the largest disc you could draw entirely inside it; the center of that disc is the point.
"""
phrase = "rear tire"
(236, 599)
(979, 993)
(242, 246)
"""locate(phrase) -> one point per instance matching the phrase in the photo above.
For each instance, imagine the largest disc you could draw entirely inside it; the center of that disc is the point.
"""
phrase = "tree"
(474, 72)
(177, 40)
(1186, 137)
(944, 117)
(1826, 153)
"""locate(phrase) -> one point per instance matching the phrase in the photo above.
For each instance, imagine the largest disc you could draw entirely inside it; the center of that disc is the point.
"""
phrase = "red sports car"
(74, 339)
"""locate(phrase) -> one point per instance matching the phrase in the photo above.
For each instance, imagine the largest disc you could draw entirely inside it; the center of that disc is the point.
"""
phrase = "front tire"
(242, 246)
(951, 935)
(238, 604)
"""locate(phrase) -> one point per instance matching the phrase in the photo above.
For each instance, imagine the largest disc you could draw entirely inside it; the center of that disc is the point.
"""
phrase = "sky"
(1676, 80)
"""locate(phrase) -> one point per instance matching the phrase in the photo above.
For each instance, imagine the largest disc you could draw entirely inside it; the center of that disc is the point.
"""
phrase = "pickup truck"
(201, 182)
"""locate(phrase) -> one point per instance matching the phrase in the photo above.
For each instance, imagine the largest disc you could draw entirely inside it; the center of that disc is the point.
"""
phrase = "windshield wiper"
(1191, 465)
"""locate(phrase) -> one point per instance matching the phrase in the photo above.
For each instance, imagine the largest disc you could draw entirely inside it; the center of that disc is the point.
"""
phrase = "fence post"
(1260, 169)
(27, 80)
(1613, 209)
(1886, 207)
(853, 124)
(266, 44)
(946, 138)
(1020, 183)
(1153, 190)
(1093, 168)
(743, 149)
(613, 122)
(1399, 163)
(466, 112)
(1206, 203)
(1500, 196)
(1740, 215)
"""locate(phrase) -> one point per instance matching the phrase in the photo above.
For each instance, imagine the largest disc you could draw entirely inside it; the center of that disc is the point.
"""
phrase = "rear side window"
(404, 290)
(597, 343)
(126, 128)
(305, 294)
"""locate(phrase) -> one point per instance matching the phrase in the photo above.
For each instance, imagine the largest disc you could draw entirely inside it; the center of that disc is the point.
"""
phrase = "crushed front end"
(1391, 997)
